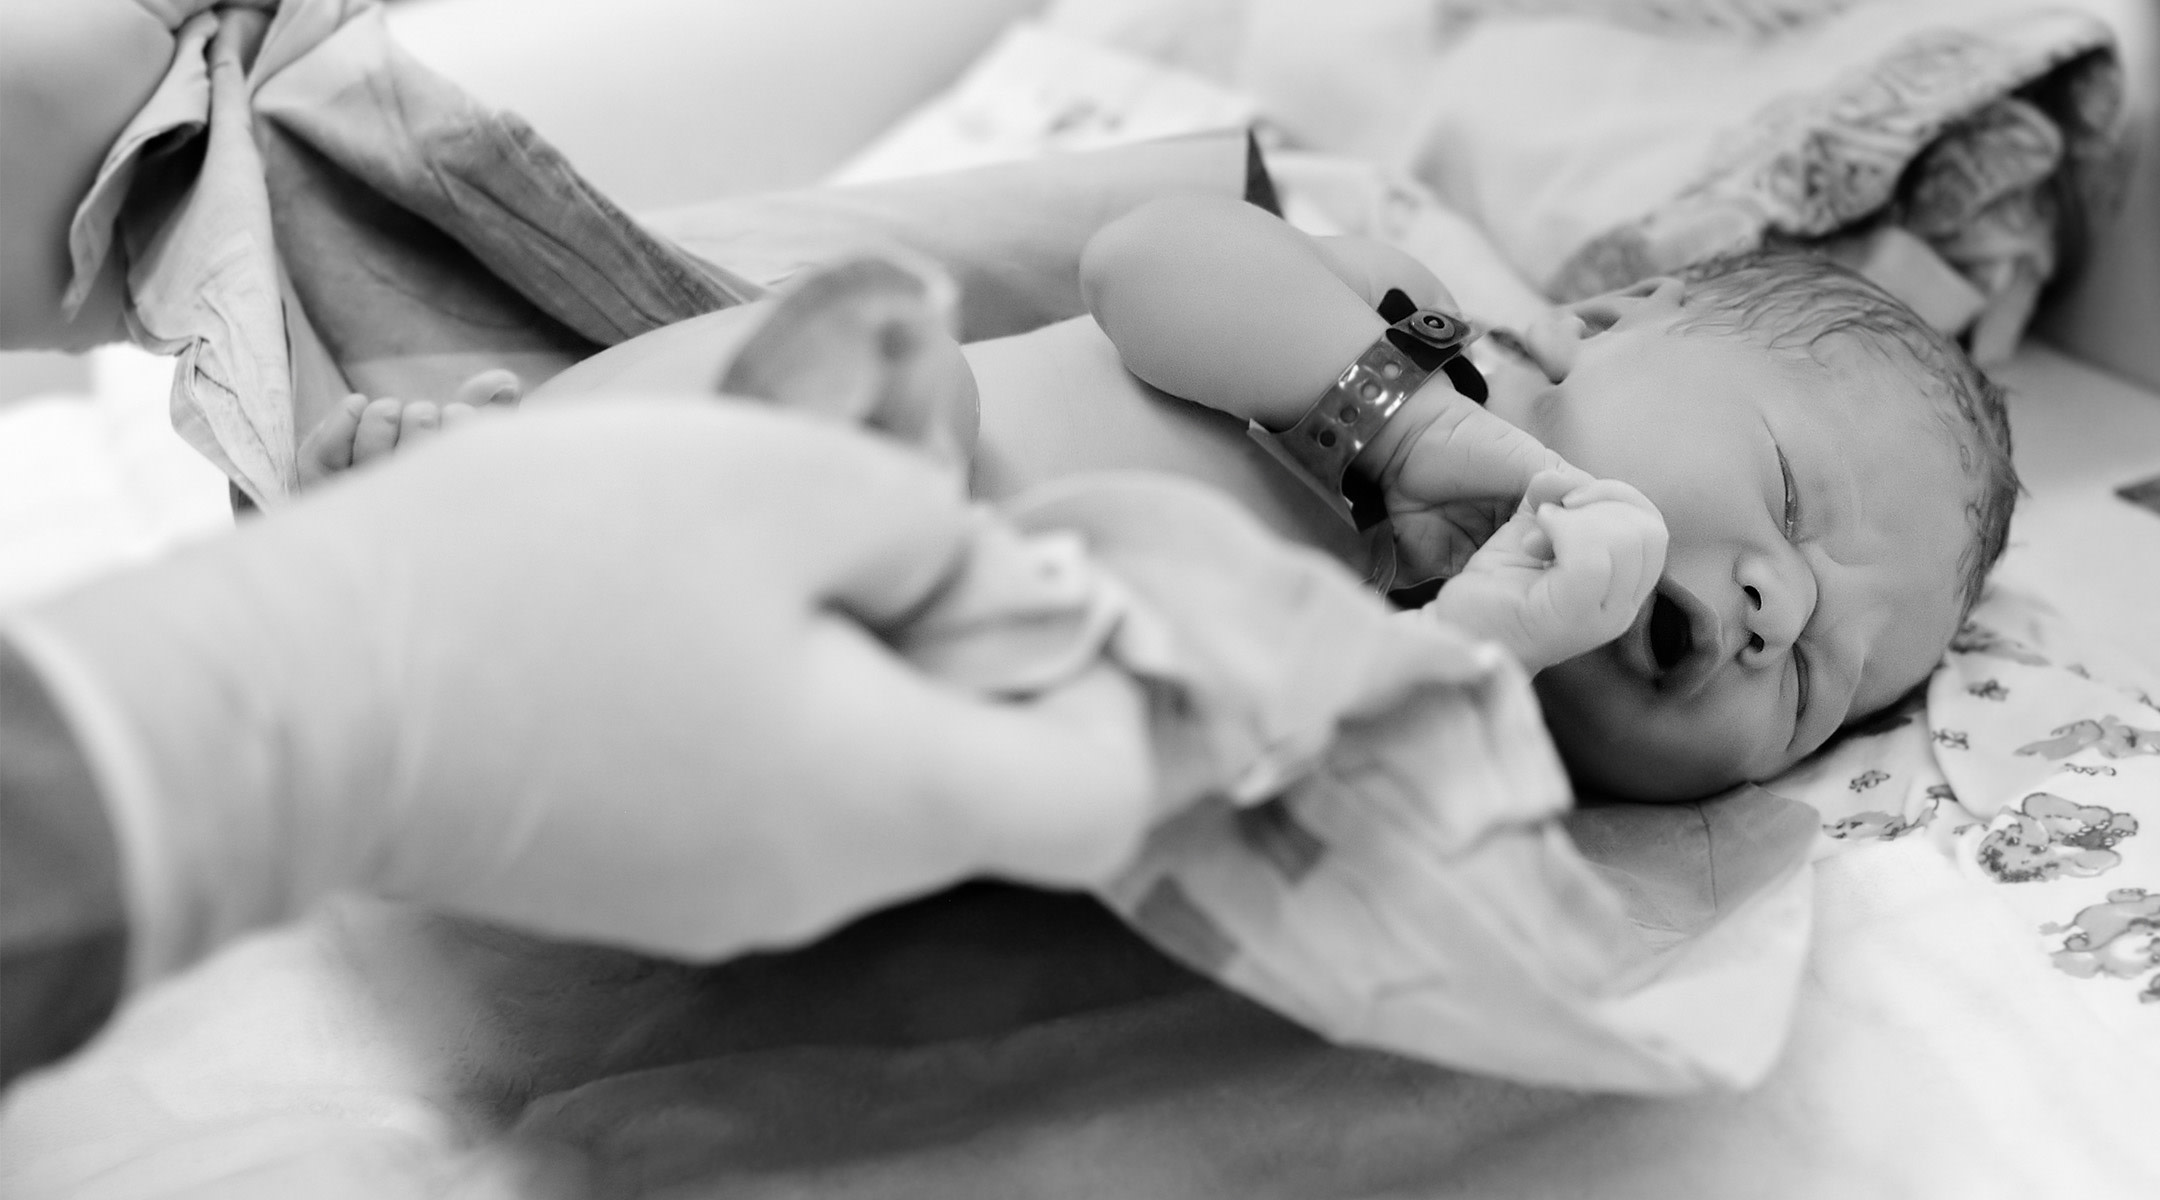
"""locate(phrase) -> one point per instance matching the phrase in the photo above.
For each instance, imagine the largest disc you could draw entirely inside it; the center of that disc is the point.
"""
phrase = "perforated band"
(1320, 447)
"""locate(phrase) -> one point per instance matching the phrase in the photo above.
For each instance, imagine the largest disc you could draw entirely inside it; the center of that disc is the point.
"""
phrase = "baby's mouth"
(1670, 636)
(1672, 642)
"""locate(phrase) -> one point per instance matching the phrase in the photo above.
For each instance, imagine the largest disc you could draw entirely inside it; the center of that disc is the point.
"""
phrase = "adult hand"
(605, 673)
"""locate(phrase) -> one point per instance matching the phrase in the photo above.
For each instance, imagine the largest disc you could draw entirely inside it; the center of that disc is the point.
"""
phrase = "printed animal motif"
(2119, 938)
(1979, 639)
(1989, 689)
(1867, 779)
(2108, 735)
(1882, 826)
(2048, 837)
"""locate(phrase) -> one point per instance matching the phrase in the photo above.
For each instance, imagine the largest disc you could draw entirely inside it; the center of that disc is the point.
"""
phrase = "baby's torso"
(1054, 402)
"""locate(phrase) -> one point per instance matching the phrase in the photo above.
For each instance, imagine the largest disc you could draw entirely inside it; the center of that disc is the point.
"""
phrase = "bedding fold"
(1601, 148)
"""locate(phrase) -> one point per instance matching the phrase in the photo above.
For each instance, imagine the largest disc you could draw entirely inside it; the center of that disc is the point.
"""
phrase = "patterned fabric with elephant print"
(2034, 774)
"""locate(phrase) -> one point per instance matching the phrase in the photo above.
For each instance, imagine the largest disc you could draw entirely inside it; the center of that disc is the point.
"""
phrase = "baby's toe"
(328, 448)
(497, 387)
(419, 419)
(378, 432)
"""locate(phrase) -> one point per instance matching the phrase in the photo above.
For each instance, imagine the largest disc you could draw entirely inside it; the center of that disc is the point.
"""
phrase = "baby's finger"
(378, 431)
(1601, 572)
(456, 413)
(497, 386)
(1555, 485)
(417, 420)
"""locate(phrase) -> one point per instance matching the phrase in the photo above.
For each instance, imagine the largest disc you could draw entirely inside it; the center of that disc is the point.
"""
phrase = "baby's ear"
(868, 341)
(1600, 313)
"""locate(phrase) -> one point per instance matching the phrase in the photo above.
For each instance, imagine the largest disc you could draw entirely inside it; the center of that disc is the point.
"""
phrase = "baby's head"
(1836, 479)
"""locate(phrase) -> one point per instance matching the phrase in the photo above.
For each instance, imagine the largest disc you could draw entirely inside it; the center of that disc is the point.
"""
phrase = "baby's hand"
(359, 430)
(1453, 474)
(1568, 573)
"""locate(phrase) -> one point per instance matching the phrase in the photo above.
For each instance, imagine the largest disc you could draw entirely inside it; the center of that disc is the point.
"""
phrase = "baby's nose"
(1777, 594)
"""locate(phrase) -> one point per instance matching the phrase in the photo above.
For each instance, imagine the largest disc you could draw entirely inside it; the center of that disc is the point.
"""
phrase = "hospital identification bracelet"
(1320, 447)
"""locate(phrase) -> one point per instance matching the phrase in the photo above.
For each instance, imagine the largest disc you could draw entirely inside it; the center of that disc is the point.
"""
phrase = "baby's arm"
(1230, 307)
(1226, 305)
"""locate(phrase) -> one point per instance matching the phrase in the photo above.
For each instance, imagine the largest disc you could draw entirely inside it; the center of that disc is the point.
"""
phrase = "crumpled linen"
(303, 209)
(1602, 146)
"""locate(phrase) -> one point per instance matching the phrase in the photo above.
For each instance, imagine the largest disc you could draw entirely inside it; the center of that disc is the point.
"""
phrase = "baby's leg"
(359, 430)
(864, 340)
(867, 341)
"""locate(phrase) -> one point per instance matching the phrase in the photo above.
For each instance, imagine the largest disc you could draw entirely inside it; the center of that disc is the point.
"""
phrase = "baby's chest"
(1058, 402)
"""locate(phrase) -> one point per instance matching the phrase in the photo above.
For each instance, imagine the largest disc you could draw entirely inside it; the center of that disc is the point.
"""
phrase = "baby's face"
(1816, 525)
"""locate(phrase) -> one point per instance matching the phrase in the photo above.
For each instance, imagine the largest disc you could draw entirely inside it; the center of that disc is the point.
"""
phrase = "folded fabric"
(422, 235)
(1600, 146)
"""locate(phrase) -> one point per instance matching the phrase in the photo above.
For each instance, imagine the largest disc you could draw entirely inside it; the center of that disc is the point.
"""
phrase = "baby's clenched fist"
(1566, 574)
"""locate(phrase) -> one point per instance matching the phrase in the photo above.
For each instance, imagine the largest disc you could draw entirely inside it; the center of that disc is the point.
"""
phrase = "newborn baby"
(1833, 474)
(1833, 477)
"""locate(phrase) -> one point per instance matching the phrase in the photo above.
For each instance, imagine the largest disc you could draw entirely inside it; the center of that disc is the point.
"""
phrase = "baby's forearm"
(1226, 305)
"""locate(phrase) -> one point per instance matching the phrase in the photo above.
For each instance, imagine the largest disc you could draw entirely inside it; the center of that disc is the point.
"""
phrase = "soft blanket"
(1954, 150)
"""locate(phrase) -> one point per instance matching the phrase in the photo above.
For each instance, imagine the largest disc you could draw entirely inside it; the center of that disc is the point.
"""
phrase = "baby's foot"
(359, 430)
(866, 340)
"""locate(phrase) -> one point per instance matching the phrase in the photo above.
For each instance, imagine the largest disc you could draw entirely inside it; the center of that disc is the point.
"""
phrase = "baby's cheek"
(1622, 740)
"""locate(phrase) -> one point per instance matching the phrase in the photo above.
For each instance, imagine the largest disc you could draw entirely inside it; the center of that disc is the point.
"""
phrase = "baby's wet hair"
(1799, 302)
